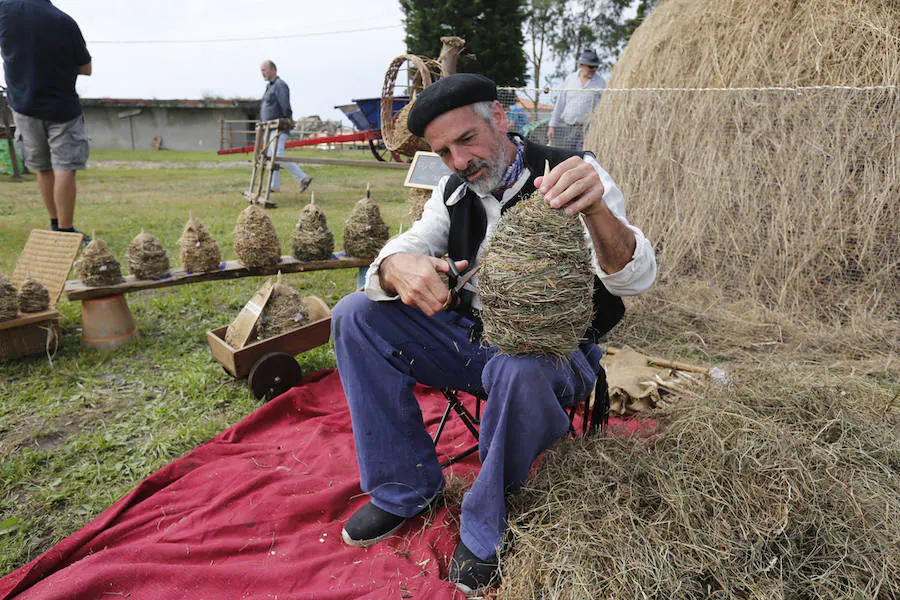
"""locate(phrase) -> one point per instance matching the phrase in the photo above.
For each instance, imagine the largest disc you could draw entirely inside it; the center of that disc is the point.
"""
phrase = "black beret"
(446, 94)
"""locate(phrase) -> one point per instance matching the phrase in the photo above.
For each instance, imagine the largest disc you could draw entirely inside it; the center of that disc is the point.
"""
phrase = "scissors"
(457, 281)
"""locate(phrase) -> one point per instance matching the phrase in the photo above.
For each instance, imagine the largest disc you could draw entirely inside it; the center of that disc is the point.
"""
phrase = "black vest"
(468, 226)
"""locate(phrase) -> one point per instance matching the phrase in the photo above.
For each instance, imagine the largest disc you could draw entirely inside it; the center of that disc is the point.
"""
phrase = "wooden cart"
(269, 365)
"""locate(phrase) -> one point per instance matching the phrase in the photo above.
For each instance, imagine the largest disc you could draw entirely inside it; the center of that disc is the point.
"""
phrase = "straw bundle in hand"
(536, 281)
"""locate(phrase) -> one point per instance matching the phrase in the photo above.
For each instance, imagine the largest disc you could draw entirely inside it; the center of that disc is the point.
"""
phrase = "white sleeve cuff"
(638, 275)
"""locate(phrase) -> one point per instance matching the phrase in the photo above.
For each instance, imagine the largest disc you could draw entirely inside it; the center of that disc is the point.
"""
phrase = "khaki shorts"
(48, 145)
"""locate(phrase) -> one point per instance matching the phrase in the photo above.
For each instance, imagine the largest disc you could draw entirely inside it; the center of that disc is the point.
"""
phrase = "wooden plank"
(76, 290)
(28, 318)
(244, 325)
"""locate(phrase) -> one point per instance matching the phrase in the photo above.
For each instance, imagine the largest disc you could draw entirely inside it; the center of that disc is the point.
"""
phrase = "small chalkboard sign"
(426, 171)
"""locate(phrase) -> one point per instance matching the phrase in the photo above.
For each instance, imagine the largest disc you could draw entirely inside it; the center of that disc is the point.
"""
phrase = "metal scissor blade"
(464, 278)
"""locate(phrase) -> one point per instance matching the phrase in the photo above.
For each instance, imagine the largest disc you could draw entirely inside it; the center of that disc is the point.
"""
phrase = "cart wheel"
(379, 151)
(274, 374)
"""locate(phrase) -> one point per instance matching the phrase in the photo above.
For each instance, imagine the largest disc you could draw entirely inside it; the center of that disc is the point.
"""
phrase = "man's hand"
(575, 185)
(551, 133)
(85, 69)
(414, 277)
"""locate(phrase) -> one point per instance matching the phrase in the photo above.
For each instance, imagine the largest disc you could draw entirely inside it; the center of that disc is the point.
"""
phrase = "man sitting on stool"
(398, 332)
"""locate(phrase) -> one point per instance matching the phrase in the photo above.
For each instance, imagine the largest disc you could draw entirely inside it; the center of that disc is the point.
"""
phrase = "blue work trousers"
(384, 348)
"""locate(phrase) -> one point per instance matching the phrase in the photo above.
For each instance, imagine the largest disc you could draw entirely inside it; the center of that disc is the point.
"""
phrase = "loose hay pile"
(199, 251)
(311, 239)
(768, 489)
(536, 281)
(147, 258)
(364, 230)
(9, 303)
(783, 197)
(98, 267)
(285, 311)
(33, 296)
(255, 241)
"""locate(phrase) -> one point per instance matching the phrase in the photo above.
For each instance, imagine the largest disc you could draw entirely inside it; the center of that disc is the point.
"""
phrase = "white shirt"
(429, 236)
(574, 107)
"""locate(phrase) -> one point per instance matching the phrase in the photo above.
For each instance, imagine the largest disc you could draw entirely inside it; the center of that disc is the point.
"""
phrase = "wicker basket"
(396, 135)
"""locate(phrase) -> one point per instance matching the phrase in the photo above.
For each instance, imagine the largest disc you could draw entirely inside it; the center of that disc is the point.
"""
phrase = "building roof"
(174, 103)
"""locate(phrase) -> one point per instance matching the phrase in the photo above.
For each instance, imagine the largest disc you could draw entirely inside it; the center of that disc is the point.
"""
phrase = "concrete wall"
(189, 128)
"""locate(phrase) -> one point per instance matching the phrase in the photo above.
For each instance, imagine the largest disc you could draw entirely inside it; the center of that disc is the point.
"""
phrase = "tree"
(600, 25)
(540, 20)
(492, 30)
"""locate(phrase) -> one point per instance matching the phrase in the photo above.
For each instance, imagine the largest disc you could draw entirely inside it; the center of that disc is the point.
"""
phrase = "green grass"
(80, 432)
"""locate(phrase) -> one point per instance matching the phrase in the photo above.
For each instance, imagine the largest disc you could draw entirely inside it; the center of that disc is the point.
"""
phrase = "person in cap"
(572, 111)
(400, 331)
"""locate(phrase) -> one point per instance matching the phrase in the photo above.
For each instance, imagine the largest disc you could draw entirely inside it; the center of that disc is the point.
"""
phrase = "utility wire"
(247, 39)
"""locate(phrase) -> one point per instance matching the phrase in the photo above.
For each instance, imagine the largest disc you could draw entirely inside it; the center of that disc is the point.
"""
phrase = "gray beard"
(496, 169)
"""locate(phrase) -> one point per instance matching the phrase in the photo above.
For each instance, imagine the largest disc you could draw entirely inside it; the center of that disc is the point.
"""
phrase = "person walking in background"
(276, 104)
(43, 53)
(573, 108)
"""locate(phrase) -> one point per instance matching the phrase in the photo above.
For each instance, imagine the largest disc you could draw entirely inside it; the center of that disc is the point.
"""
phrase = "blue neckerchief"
(514, 171)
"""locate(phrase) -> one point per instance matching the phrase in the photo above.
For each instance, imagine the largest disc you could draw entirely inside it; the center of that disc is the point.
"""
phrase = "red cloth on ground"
(256, 513)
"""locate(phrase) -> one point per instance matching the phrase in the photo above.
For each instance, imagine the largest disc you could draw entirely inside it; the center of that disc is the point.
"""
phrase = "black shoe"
(369, 525)
(469, 573)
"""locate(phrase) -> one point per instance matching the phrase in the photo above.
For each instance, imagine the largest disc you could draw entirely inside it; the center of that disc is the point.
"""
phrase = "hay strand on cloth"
(9, 302)
(285, 311)
(364, 230)
(536, 281)
(147, 258)
(199, 251)
(311, 239)
(255, 241)
(768, 488)
(33, 296)
(98, 267)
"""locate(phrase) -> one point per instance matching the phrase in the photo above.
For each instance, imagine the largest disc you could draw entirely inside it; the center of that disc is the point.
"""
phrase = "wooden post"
(452, 48)
(221, 132)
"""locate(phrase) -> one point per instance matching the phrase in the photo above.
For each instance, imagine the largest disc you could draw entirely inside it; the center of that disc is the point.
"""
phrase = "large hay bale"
(311, 239)
(199, 251)
(766, 489)
(9, 303)
(364, 230)
(536, 281)
(255, 241)
(784, 197)
(33, 296)
(147, 258)
(97, 266)
(285, 311)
